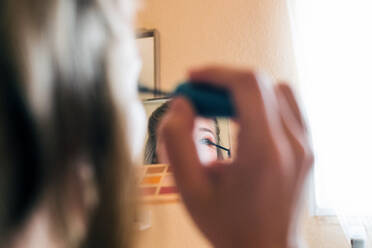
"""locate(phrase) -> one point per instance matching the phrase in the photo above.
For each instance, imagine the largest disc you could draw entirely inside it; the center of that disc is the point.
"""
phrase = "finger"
(295, 132)
(176, 132)
(293, 105)
(217, 172)
(289, 95)
(256, 105)
(300, 145)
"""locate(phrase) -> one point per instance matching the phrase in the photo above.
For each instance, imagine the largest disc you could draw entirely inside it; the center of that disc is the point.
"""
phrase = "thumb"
(176, 131)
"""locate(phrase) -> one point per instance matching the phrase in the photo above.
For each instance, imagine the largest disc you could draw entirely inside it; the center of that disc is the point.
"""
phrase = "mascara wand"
(145, 89)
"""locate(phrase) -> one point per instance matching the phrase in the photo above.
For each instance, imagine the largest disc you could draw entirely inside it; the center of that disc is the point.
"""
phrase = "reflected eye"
(206, 141)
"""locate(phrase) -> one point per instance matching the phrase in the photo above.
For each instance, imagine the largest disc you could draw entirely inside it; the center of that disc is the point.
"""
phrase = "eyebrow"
(207, 130)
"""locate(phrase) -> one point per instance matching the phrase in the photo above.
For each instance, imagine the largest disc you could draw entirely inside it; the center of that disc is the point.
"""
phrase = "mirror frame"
(146, 33)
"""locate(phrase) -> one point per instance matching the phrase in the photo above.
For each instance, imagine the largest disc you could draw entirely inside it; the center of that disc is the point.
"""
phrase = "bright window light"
(334, 46)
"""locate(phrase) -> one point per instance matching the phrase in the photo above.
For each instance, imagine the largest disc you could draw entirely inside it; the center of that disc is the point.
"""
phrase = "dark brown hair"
(57, 110)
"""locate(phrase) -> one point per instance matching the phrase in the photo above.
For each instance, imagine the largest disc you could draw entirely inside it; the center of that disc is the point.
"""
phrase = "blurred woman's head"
(68, 73)
(204, 129)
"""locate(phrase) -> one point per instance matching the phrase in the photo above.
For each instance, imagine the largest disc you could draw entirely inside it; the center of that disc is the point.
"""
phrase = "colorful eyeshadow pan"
(151, 180)
(168, 190)
(153, 170)
(157, 184)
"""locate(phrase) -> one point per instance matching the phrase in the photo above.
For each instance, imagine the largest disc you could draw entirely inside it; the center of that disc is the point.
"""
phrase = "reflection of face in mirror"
(205, 131)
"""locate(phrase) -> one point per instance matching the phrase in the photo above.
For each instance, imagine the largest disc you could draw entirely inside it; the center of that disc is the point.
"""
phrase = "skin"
(251, 201)
(203, 129)
(248, 202)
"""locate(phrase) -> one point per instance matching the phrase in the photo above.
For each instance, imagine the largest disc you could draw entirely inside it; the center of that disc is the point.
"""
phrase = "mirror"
(147, 43)
(211, 136)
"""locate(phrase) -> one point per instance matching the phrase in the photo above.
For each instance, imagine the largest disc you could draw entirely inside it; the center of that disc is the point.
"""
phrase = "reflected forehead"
(205, 125)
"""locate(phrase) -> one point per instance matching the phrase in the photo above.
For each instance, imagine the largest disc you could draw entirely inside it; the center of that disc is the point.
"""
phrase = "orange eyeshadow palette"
(157, 184)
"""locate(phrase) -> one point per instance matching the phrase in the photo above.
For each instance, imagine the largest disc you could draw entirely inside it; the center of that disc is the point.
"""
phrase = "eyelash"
(206, 141)
(210, 143)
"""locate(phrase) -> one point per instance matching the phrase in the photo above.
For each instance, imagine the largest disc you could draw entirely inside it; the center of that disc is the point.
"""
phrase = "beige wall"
(254, 33)
(238, 32)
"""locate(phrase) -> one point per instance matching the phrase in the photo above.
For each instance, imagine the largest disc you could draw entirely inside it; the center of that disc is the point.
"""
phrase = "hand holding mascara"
(232, 202)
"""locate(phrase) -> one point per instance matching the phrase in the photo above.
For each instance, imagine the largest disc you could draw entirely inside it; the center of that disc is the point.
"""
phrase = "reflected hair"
(150, 156)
